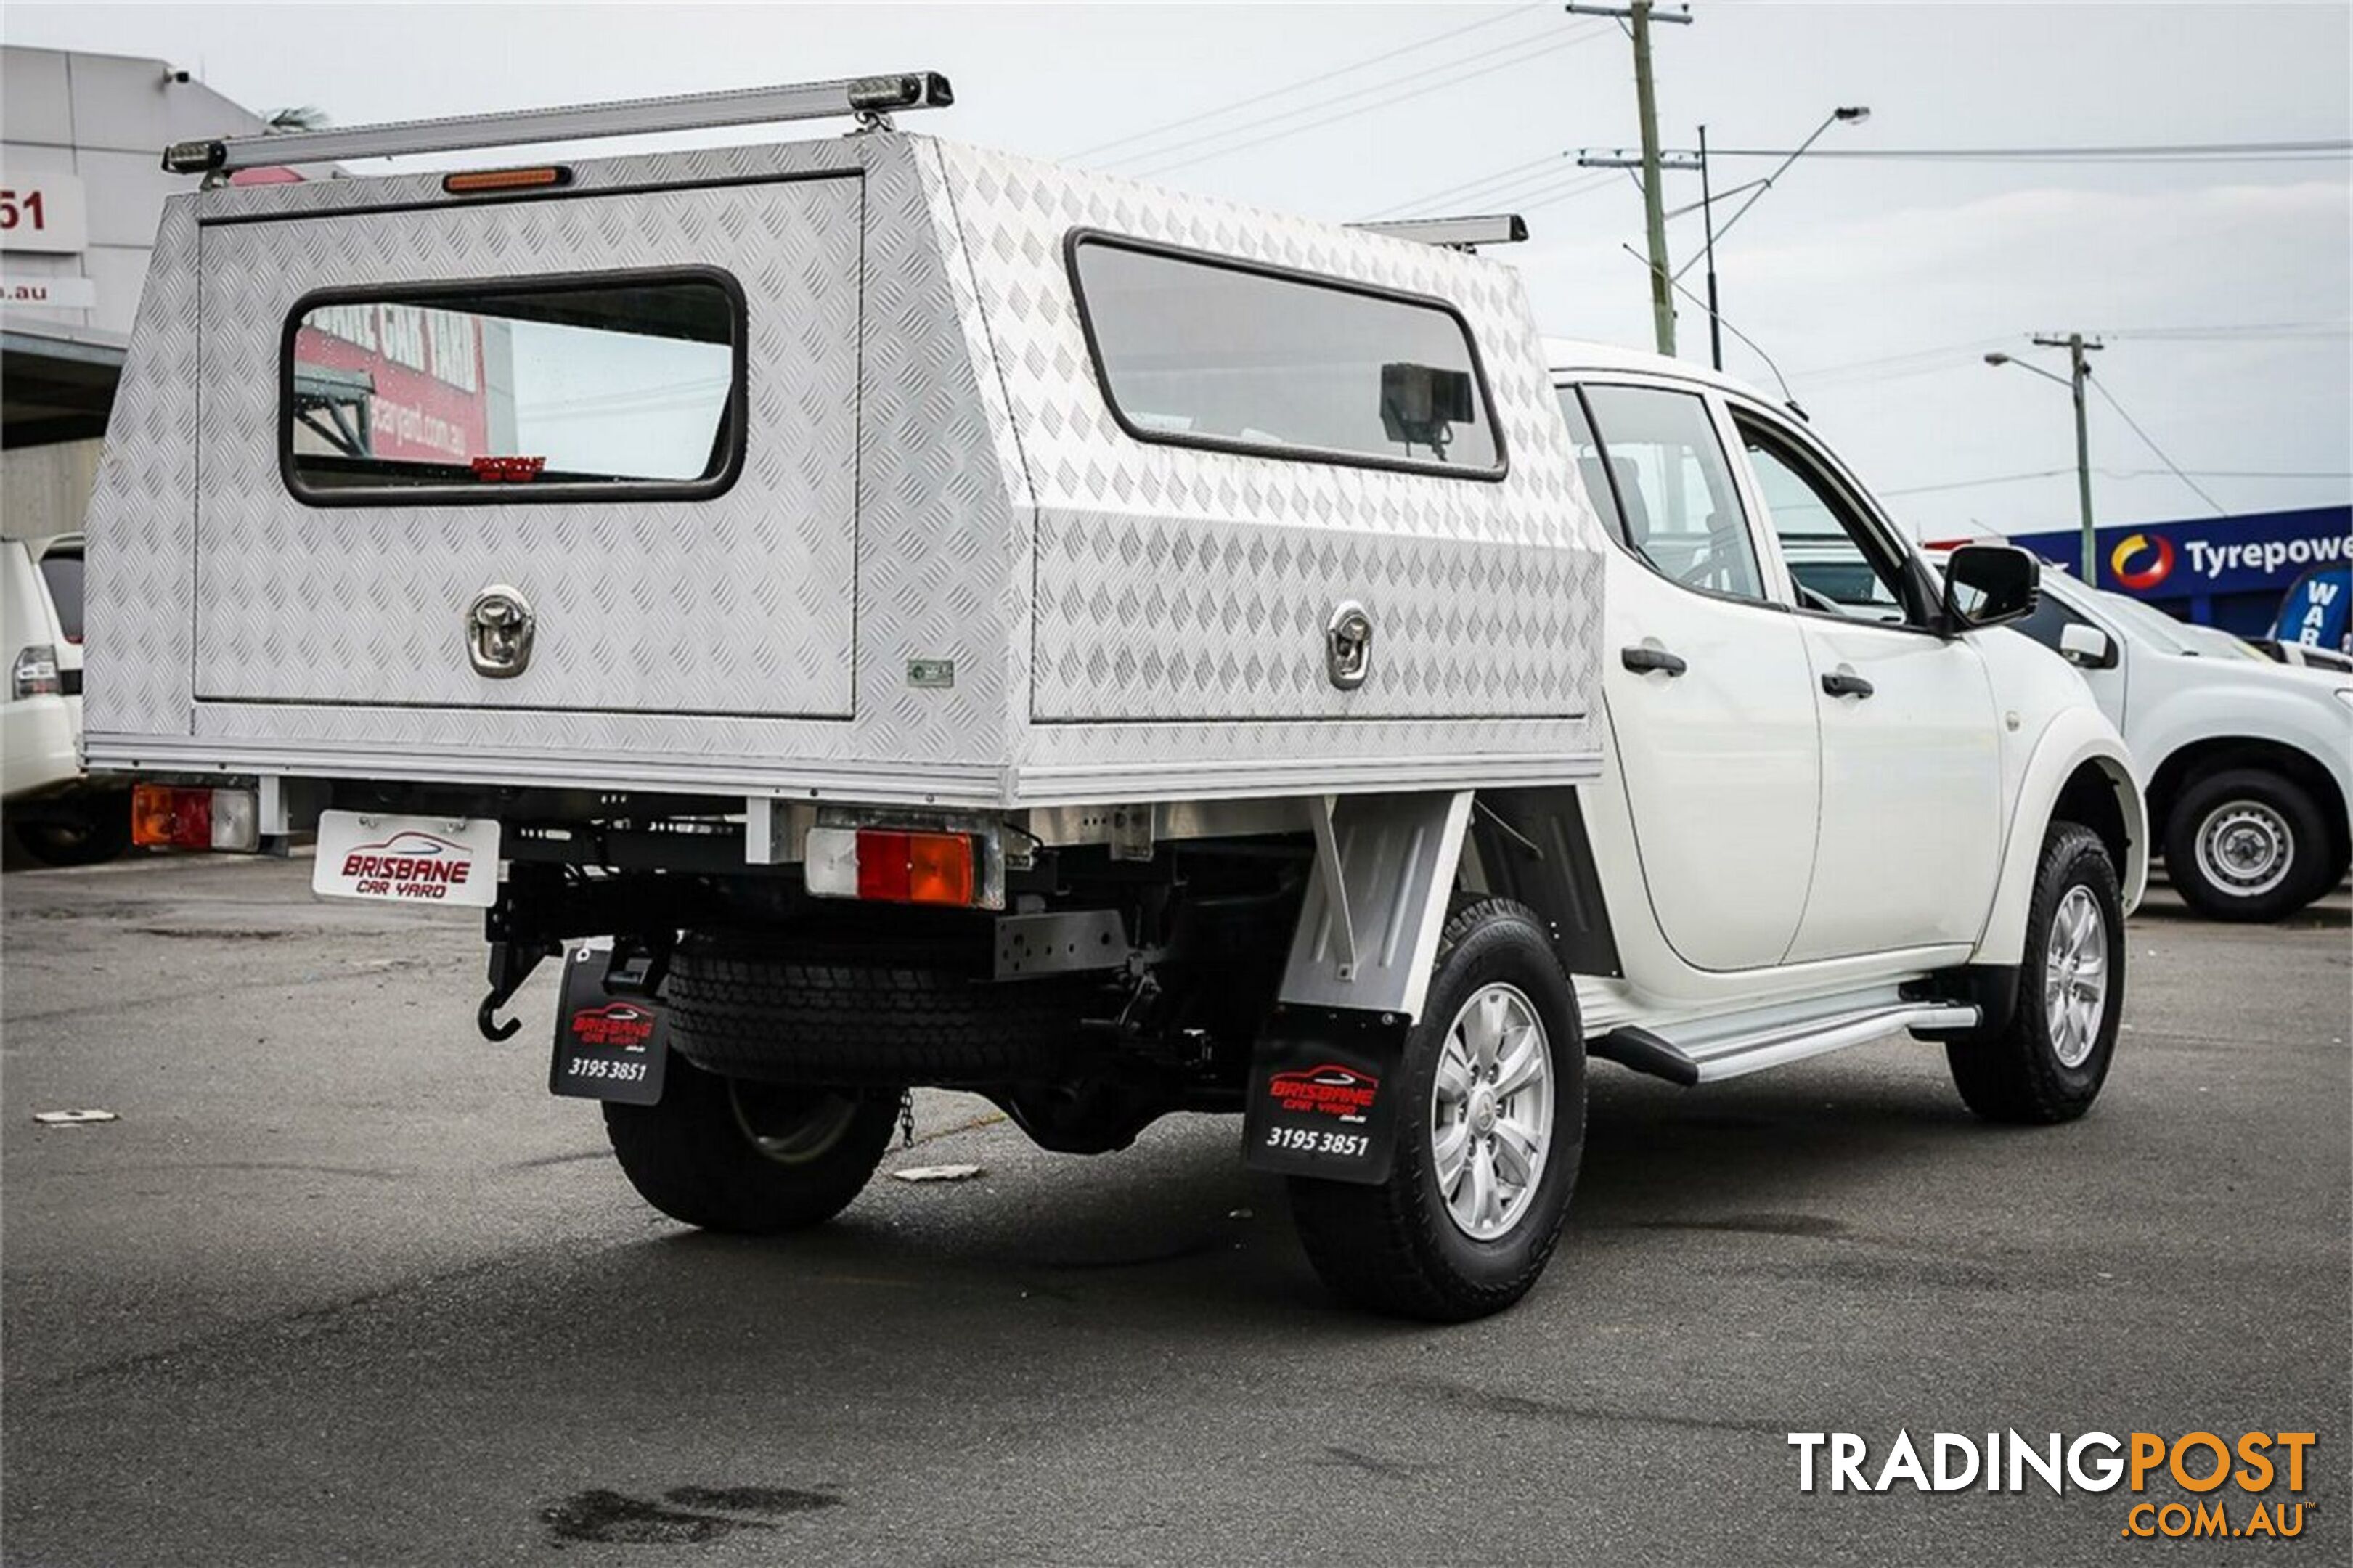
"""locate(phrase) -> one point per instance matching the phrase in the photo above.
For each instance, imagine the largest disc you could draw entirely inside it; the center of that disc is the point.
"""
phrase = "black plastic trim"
(1645, 1052)
(1535, 850)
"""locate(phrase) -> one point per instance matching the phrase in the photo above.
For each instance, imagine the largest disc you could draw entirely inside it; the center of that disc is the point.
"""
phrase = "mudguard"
(2074, 736)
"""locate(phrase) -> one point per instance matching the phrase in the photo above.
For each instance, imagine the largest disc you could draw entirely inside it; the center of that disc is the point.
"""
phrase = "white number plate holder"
(407, 860)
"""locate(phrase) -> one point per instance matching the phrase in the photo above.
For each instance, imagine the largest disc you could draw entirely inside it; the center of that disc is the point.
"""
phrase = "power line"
(2231, 334)
(1544, 182)
(1383, 85)
(1450, 192)
(2150, 442)
(2121, 474)
(1567, 193)
(2188, 151)
(1385, 88)
(1292, 87)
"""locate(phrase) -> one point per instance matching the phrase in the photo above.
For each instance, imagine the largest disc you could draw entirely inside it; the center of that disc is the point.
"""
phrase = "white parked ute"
(2247, 764)
(891, 614)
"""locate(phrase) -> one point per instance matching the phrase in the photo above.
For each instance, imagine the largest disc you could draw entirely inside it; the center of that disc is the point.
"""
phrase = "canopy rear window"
(1207, 351)
(548, 390)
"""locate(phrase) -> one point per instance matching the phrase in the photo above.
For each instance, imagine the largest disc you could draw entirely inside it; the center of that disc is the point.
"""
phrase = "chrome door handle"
(1840, 683)
(1642, 660)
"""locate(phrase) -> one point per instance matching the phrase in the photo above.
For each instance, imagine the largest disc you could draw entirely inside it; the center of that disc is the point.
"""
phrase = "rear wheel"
(736, 1155)
(1491, 1130)
(2047, 1063)
(98, 830)
(2246, 845)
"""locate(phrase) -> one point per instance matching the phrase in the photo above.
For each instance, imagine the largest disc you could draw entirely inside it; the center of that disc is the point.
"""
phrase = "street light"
(1852, 114)
(2079, 372)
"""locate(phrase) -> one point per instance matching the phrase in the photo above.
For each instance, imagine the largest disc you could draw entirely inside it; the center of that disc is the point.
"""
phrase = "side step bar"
(1717, 1054)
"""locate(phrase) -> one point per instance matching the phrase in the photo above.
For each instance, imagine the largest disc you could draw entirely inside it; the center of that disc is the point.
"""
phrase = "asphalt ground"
(344, 1285)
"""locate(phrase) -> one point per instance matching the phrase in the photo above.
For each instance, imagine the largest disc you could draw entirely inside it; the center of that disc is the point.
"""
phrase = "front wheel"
(741, 1155)
(1490, 1132)
(2246, 845)
(2048, 1062)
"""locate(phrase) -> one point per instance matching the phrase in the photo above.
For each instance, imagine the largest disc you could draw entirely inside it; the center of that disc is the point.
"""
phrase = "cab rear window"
(558, 390)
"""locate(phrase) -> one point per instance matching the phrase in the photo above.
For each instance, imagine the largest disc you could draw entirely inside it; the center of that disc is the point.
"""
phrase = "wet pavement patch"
(686, 1516)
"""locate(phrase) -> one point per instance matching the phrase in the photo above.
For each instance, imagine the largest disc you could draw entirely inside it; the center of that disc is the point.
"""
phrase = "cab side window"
(1838, 562)
(1678, 508)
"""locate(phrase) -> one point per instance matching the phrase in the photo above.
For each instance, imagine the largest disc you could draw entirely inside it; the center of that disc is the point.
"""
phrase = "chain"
(906, 1119)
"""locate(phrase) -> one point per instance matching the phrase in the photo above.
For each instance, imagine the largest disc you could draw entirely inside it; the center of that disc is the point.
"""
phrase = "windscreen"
(512, 392)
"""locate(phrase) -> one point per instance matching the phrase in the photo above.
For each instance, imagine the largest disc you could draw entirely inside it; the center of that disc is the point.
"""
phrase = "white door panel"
(1720, 765)
(1911, 835)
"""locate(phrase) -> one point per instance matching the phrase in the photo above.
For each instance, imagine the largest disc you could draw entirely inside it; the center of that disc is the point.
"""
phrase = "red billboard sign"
(429, 398)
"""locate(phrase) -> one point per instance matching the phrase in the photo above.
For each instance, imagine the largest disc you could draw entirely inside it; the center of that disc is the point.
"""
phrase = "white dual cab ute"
(891, 614)
(2247, 763)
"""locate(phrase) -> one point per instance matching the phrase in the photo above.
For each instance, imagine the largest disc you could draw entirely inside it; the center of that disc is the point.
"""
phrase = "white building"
(81, 186)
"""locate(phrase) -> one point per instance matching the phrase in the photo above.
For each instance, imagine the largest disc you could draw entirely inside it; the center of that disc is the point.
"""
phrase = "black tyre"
(795, 1008)
(99, 830)
(2247, 845)
(750, 1157)
(2048, 1062)
(1439, 1240)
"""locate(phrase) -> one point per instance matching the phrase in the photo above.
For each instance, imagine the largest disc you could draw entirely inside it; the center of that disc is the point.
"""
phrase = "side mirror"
(1986, 585)
(2086, 648)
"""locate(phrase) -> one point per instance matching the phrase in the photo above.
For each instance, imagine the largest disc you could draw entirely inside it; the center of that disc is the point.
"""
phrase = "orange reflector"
(939, 867)
(172, 819)
(479, 180)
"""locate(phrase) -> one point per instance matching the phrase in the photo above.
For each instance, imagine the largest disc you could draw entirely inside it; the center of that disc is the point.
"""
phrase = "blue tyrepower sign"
(2220, 571)
(2314, 611)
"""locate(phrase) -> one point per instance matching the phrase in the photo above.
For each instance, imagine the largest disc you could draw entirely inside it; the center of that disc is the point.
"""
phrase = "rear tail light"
(35, 673)
(892, 865)
(168, 817)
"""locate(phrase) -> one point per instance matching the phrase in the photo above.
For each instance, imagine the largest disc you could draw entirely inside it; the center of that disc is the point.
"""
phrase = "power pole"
(1639, 15)
(2079, 372)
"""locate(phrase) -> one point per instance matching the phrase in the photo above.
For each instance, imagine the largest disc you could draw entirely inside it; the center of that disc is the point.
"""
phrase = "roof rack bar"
(1453, 233)
(861, 96)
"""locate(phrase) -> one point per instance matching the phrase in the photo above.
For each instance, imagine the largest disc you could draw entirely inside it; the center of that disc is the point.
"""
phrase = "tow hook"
(510, 965)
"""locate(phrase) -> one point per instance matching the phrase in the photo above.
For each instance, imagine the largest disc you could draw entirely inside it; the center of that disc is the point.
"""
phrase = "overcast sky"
(1877, 286)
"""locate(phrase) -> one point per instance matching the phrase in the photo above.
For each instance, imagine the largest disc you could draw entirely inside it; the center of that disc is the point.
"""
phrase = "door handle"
(1842, 683)
(1642, 660)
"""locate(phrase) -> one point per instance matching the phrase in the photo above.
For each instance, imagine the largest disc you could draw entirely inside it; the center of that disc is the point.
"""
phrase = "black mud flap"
(611, 1041)
(1323, 1091)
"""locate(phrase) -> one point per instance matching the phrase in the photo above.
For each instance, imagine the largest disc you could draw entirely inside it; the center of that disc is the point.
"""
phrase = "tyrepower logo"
(2235, 1483)
(619, 1025)
(2141, 579)
(1329, 1090)
(409, 865)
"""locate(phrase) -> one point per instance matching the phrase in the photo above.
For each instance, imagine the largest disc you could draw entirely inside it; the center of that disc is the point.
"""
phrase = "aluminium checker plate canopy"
(931, 477)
